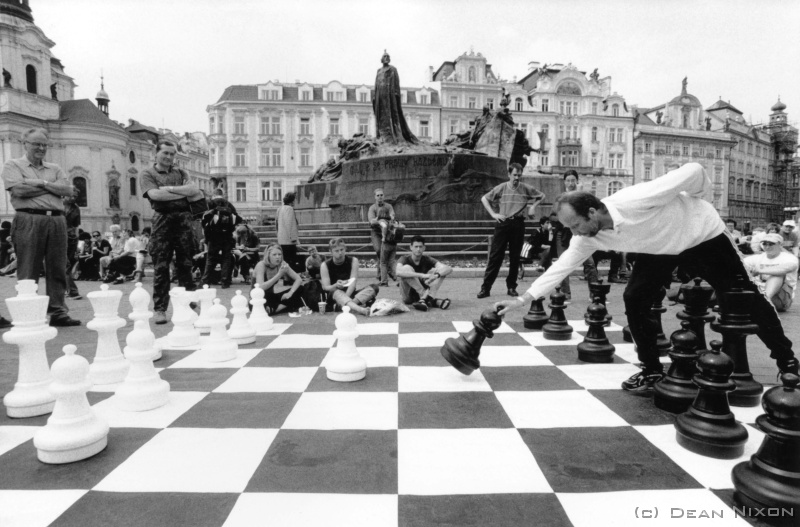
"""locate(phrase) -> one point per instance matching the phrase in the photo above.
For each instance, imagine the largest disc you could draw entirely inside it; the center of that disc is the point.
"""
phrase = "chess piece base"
(552, 332)
(759, 486)
(721, 440)
(141, 395)
(456, 357)
(596, 352)
(673, 397)
(19, 412)
(59, 457)
(534, 322)
(243, 340)
(346, 376)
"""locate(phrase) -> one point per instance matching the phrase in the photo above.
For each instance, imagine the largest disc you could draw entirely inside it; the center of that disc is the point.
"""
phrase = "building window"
(241, 191)
(490, 103)
(423, 99)
(648, 147)
(569, 158)
(221, 126)
(614, 187)
(135, 223)
(275, 157)
(648, 173)
(620, 158)
(518, 104)
(305, 126)
(424, 129)
(561, 108)
(593, 189)
(453, 101)
(273, 95)
(132, 182)
(472, 102)
(594, 108)
(615, 110)
(305, 95)
(545, 105)
(213, 156)
(718, 153)
(545, 131)
(333, 128)
(30, 78)
(544, 159)
(453, 126)
(238, 125)
(239, 159)
(685, 150)
(211, 125)
(80, 191)
(668, 149)
(263, 128)
(363, 125)
(594, 134)
(271, 190)
(594, 159)
(471, 74)
(305, 157)
(264, 159)
(560, 131)
(275, 126)
(702, 152)
(363, 97)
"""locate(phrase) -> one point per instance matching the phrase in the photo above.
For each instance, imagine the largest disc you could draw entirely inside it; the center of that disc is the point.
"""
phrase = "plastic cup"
(322, 307)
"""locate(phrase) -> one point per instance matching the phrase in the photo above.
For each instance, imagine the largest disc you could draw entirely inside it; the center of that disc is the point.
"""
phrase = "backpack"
(219, 220)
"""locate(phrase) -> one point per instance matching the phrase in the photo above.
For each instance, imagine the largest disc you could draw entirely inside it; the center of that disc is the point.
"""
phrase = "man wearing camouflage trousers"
(169, 192)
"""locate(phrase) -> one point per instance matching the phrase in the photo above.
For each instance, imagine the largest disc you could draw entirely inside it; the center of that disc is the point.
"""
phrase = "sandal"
(443, 303)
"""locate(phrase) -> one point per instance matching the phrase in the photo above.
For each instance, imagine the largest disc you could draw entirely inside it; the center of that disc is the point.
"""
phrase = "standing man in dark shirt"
(380, 215)
(219, 223)
(73, 215)
(39, 230)
(511, 200)
(169, 192)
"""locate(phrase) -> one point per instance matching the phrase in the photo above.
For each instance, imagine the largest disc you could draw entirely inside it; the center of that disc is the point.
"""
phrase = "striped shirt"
(512, 201)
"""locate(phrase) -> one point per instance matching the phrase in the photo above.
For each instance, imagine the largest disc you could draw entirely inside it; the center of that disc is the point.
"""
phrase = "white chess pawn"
(30, 396)
(206, 297)
(142, 389)
(73, 432)
(259, 318)
(183, 333)
(108, 366)
(344, 364)
(240, 330)
(219, 347)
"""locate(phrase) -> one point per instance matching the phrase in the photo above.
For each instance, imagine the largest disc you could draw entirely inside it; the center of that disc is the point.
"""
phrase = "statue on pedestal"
(391, 126)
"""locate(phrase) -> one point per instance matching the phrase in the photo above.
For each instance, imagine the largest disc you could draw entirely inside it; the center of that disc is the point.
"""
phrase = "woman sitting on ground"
(272, 270)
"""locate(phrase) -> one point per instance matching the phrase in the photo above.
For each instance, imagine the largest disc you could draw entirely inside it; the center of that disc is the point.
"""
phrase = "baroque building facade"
(265, 139)
(101, 158)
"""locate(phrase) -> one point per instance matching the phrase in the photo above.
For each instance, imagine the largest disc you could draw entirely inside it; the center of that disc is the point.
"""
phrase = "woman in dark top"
(272, 270)
(90, 263)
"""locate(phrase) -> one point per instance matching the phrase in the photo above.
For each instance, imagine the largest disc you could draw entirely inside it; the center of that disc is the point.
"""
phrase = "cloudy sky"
(164, 61)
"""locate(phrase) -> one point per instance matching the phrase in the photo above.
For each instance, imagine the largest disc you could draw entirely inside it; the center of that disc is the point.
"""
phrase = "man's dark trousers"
(171, 232)
(508, 233)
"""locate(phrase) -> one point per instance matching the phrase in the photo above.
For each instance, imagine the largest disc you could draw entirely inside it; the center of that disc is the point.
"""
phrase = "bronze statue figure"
(391, 126)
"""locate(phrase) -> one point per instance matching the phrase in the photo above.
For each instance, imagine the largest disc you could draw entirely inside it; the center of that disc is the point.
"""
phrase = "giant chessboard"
(534, 437)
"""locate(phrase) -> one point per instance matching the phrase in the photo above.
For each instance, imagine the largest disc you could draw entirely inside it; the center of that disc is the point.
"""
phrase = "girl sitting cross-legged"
(271, 275)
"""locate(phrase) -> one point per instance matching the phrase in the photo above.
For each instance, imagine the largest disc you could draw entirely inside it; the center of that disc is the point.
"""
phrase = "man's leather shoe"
(512, 292)
(63, 322)
(483, 293)
(160, 317)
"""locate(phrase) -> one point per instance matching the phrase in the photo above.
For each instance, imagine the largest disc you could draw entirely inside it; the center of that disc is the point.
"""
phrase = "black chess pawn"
(708, 428)
(595, 346)
(735, 324)
(599, 290)
(662, 343)
(557, 327)
(462, 352)
(676, 391)
(626, 334)
(771, 479)
(696, 297)
(536, 317)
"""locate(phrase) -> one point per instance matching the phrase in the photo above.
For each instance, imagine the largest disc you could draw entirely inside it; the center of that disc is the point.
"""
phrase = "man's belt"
(42, 212)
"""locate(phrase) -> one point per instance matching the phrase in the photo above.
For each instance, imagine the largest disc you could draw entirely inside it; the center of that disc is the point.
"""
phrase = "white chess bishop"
(240, 329)
(259, 318)
(73, 432)
(206, 298)
(183, 333)
(30, 396)
(143, 389)
(109, 366)
(343, 363)
(218, 347)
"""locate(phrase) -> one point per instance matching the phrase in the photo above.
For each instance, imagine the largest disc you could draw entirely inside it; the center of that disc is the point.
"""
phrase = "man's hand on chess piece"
(504, 306)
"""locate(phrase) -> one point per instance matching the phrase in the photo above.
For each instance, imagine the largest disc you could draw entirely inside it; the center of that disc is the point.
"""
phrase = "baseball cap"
(789, 222)
(772, 237)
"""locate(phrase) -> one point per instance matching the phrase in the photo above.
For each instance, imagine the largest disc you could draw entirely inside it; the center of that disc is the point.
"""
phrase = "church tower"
(102, 98)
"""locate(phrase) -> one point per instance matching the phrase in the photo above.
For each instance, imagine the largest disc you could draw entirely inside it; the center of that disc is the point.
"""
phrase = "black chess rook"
(708, 428)
(462, 352)
(537, 316)
(595, 346)
(771, 478)
(676, 391)
(557, 327)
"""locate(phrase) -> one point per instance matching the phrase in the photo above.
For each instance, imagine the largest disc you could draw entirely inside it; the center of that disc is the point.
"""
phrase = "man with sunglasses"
(774, 272)
(39, 229)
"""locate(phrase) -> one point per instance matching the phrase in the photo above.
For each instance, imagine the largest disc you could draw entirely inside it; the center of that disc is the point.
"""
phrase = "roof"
(642, 118)
(292, 94)
(722, 105)
(82, 111)
(445, 69)
(136, 126)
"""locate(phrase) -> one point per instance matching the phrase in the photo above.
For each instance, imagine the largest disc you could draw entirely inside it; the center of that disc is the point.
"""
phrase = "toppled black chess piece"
(662, 343)
(462, 352)
(709, 428)
(696, 297)
(598, 291)
(735, 324)
(771, 478)
(557, 327)
(537, 316)
(595, 346)
(676, 391)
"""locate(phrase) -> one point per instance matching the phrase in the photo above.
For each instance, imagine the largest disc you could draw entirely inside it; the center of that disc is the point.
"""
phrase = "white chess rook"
(206, 297)
(344, 364)
(183, 333)
(219, 347)
(142, 389)
(259, 318)
(30, 396)
(240, 330)
(73, 432)
(109, 366)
